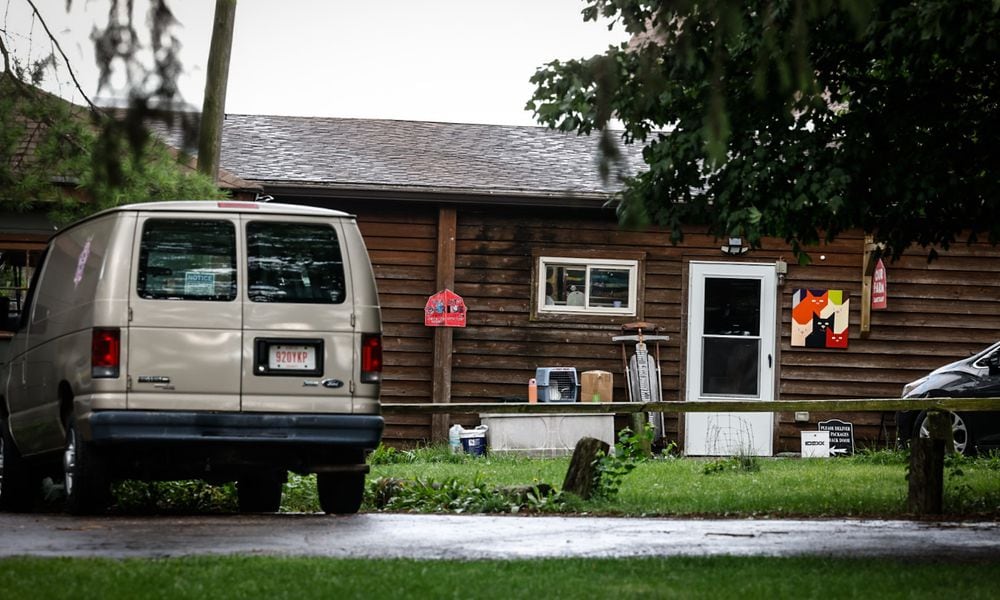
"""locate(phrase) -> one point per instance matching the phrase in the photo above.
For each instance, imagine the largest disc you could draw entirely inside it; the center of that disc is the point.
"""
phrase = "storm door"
(730, 356)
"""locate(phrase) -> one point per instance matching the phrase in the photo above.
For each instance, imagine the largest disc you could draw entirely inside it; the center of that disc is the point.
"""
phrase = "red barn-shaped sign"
(880, 290)
(445, 309)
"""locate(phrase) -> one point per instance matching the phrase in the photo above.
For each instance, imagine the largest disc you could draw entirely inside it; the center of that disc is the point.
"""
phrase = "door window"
(187, 259)
(294, 263)
(731, 342)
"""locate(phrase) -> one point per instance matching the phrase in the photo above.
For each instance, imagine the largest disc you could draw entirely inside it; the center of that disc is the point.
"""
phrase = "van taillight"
(371, 358)
(105, 353)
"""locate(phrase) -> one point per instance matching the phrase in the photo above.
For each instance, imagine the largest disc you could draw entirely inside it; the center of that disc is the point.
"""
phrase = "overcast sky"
(465, 61)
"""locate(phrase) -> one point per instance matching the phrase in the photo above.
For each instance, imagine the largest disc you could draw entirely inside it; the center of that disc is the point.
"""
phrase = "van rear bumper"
(354, 431)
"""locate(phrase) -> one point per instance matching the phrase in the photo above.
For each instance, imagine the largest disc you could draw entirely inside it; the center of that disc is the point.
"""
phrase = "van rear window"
(187, 259)
(294, 263)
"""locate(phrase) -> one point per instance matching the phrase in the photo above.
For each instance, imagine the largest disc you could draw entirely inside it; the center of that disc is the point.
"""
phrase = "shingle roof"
(25, 150)
(413, 155)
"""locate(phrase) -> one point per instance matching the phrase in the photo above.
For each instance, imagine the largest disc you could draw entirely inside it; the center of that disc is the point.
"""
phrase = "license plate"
(296, 358)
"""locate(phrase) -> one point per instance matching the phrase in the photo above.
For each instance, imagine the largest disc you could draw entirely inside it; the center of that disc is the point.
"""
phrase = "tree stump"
(582, 473)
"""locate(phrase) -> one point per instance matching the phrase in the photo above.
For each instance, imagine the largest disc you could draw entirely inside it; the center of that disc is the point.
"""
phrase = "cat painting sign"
(880, 291)
(445, 309)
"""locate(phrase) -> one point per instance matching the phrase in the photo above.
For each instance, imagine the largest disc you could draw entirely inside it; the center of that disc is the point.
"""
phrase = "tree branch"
(69, 67)
(6, 56)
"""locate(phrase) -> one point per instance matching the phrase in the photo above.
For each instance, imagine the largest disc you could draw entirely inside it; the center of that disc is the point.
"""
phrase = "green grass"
(860, 486)
(303, 578)
(869, 484)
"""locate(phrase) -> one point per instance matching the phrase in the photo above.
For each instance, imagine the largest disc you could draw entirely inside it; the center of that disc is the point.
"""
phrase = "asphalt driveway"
(487, 537)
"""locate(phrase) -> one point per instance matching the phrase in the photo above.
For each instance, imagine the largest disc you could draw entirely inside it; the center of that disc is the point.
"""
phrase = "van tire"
(259, 493)
(88, 487)
(340, 493)
(18, 486)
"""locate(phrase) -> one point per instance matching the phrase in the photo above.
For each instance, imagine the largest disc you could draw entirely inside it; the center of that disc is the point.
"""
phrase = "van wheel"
(259, 494)
(18, 486)
(340, 493)
(88, 487)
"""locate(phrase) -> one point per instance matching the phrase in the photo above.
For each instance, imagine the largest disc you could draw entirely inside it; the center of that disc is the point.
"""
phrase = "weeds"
(671, 451)
(455, 496)
(740, 463)
(434, 480)
(387, 455)
(174, 497)
(299, 494)
(440, 453)
(991, 461)
(611, 469)
(961, 493)
(867, 456)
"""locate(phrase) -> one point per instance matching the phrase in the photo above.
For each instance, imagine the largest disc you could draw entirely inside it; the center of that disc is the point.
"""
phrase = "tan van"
(223, 341)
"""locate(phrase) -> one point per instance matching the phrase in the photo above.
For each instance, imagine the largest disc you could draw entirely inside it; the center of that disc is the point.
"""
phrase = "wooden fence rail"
(847, 405)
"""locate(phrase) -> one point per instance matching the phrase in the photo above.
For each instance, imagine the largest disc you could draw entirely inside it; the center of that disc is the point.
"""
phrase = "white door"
(730, 356)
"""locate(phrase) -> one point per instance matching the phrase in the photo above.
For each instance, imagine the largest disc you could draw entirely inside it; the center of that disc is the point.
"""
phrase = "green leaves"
(76, 167)
(798, 120)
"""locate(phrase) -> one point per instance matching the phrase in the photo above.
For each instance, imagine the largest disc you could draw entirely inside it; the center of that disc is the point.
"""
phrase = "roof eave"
(441, 195)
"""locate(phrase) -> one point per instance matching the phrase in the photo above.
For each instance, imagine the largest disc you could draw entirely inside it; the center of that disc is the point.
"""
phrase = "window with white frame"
(586, 285)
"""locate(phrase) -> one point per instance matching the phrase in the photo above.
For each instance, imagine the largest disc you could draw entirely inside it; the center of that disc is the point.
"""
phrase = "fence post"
(926, 492)
(639, 422)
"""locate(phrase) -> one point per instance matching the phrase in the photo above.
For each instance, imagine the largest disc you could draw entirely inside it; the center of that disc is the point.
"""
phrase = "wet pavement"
(488, 537)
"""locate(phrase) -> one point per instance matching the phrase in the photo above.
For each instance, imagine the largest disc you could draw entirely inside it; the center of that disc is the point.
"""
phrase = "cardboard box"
(596, 386)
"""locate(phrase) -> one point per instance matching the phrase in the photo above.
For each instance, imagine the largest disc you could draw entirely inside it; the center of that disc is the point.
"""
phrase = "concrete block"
(545, 435)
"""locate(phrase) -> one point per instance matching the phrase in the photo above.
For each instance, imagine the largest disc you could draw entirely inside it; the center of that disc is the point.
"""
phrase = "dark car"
(975, 377)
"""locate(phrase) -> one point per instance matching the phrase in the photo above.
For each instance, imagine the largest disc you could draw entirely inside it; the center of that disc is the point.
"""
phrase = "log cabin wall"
(402, 244)
(937, 312)
(516, 192)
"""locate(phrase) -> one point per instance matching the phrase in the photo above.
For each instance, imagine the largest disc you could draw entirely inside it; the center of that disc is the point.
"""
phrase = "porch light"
(735, 247)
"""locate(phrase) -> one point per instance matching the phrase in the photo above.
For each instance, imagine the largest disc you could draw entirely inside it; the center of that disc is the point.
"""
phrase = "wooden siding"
(937, 312)
(402, 244)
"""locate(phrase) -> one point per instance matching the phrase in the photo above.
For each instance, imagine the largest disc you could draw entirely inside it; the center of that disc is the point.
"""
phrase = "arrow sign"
(841, 436)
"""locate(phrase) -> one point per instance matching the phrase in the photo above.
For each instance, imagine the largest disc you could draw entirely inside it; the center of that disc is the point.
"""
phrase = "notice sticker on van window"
(199, 284)
(297, 358)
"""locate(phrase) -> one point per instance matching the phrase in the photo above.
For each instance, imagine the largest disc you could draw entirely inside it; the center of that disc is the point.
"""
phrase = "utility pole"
(213, 110)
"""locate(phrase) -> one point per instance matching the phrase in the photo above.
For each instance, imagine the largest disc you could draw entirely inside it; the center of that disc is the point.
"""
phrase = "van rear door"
(185, 333)
(299, 346)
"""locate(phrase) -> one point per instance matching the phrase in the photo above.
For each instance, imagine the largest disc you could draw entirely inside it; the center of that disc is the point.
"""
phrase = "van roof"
(216, 206)
(232, 206)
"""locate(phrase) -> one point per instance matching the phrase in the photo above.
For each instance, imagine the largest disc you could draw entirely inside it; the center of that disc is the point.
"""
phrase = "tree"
(72, 160)
(798, 119)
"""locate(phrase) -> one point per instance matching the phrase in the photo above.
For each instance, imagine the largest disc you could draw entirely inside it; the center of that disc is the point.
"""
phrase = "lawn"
(432, 480)
(870, 484)
(303, 578)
